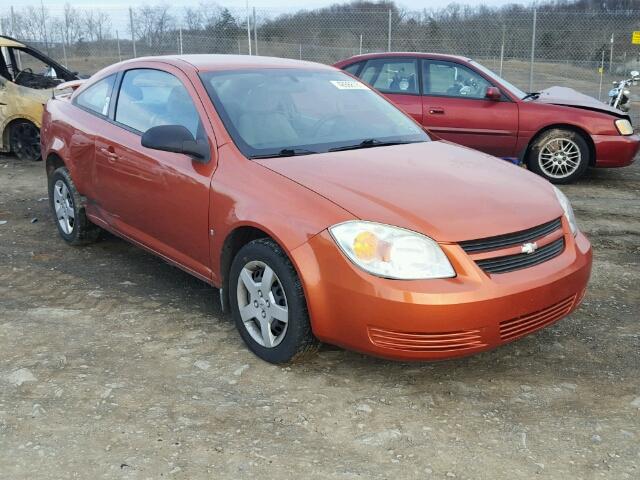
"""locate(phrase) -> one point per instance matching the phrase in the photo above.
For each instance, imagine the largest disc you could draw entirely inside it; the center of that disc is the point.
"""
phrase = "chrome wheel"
(63, 205)
(559, 157)
(262, 304)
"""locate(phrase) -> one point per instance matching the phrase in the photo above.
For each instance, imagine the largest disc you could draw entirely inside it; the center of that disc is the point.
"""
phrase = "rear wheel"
(66, 206)
(560, 156)
(268, 303)
(24, 139)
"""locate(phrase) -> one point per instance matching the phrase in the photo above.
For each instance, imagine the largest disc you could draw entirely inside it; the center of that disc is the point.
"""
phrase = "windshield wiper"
(286, 152)
(533, 95)
(371, 142)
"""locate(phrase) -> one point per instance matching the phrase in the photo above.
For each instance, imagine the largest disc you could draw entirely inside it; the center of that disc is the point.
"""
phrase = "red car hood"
(572, 98)
(445, 191)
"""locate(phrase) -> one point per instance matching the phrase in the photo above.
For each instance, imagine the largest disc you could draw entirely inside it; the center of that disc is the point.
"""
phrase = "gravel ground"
(114, 364)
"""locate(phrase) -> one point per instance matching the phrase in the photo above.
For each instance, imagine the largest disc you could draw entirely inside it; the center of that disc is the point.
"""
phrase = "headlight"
(391, 252)
(568, 211)
(624, 126)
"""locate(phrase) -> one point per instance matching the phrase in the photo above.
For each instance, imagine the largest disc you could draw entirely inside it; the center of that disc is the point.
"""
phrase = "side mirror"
(493, 93)
(176, 139)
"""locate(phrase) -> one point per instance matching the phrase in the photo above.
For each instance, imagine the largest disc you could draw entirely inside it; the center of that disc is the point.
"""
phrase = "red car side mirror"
(493, 93)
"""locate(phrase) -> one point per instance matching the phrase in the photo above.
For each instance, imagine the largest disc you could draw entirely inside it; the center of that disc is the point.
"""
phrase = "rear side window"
(392, 75)
(353, 68)
(149, 98)
(97, 97)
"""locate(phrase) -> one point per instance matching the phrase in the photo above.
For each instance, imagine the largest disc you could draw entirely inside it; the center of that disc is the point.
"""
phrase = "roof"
(436, 56)
(206, 62)
(10, 42)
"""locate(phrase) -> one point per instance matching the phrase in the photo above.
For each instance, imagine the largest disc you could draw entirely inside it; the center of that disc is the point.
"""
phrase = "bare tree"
(70, 25)
(96, 25)
(152, 23)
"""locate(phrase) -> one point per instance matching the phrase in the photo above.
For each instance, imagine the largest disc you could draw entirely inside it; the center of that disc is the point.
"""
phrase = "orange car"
(320, 210)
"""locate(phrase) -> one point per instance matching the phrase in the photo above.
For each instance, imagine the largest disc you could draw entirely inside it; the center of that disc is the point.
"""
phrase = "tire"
(561, 156)
(68, 211)
(282, 342)
(24, 140)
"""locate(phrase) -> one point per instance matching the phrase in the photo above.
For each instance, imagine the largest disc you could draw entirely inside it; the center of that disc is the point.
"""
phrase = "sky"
(54, 5)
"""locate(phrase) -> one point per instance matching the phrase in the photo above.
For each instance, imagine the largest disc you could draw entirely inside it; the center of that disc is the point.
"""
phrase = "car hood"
(445, 191)
(572, 98)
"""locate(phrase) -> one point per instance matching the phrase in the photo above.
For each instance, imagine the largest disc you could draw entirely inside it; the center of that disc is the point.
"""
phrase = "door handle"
(436, 110)
(110, 153)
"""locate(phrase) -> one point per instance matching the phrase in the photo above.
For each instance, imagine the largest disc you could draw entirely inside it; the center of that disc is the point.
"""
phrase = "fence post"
(502, 50)
(611, 55)
(360, 44)
(255, 32)
(389, 34)
(601, 75)
(180, 38)
(533, 49)
(133, 33)
(248, 28)
(118, 44)
(64, 54)
(13, 22)
(300, 51)
(44, 28)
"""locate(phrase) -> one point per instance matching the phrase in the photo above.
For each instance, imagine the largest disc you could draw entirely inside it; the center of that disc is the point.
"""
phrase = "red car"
(320, 210)
(557, 132)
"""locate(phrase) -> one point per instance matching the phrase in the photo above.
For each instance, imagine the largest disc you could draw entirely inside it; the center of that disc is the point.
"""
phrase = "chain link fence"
(533, 49)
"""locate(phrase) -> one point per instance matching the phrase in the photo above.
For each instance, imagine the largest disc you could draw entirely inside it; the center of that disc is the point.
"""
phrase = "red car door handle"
(436, 110)
(109, 153)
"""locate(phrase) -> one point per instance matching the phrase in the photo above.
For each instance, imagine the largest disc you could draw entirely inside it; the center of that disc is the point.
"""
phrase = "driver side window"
(450, 79)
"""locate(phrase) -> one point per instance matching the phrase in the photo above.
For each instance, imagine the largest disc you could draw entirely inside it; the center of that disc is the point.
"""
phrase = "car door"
(456, 109)
(396, 78)
(159, 199)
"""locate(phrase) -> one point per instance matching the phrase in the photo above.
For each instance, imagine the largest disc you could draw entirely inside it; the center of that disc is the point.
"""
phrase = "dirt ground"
(115, 365)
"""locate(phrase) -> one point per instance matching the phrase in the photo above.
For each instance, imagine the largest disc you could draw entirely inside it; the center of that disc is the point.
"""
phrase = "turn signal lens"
(365, 246)
(624, 126)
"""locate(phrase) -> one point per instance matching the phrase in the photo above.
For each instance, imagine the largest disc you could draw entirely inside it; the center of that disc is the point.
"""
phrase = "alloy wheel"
(63, 204)
(559, 157)
(262, 304)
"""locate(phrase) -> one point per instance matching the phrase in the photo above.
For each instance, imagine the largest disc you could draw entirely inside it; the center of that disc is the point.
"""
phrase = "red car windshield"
(276, 112)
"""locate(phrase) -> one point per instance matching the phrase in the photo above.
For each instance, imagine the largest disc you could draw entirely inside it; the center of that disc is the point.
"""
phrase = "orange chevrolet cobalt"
(320, 211)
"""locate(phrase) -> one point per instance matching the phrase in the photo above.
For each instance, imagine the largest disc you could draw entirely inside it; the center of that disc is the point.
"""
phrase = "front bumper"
(437, 319)
(615, 150)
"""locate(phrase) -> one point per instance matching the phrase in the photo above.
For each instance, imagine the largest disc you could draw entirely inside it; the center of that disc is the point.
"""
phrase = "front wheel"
(24, 140)
(560, 156)
(268, 303)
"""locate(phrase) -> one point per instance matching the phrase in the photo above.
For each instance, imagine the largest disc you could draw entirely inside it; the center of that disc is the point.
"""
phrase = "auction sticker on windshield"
(349, 85)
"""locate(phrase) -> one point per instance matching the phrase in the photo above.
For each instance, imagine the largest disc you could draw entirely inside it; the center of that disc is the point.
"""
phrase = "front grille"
(426, 342)
(509, 263)
(511, 239)
(525, 324)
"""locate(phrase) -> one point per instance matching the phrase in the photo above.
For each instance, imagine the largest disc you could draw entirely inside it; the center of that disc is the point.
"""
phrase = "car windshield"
(285, 112)
(511, 87)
